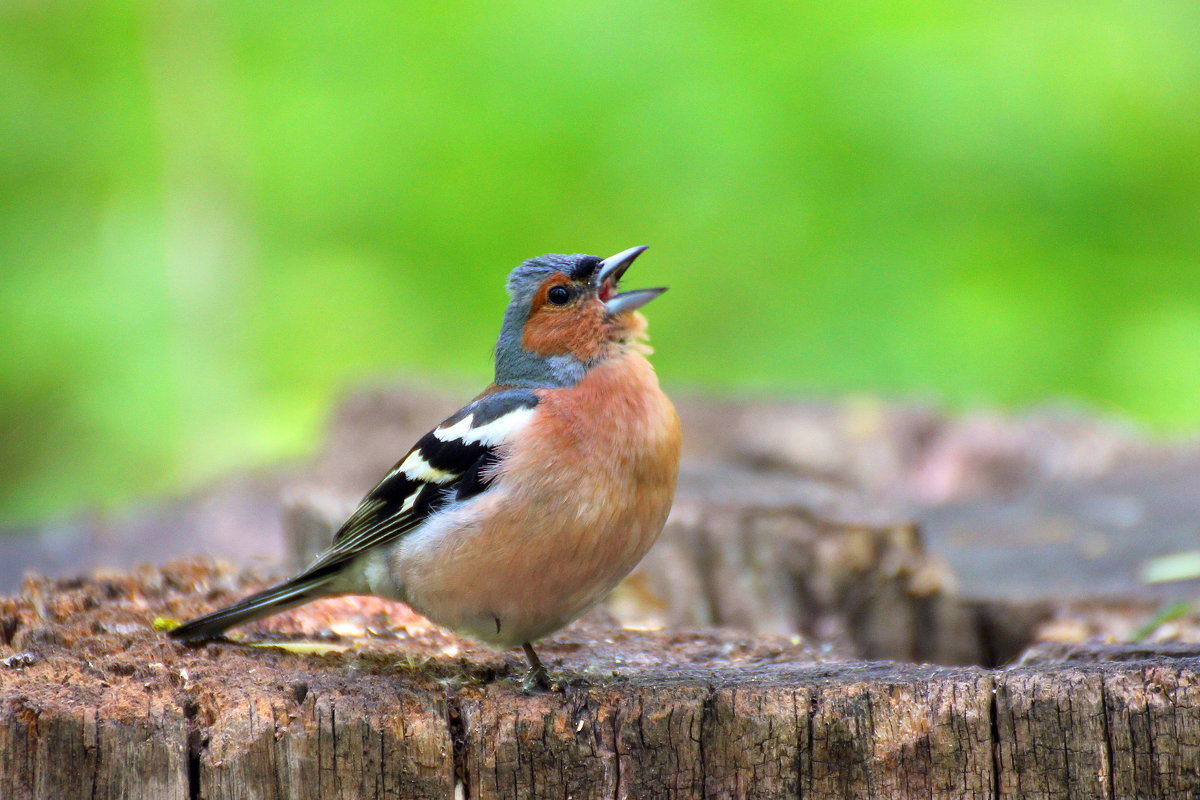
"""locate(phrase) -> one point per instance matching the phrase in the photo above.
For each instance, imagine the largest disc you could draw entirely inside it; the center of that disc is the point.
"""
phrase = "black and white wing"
(448, 464)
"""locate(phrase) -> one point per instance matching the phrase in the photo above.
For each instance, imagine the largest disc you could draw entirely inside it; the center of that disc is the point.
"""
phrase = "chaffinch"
(521, 511)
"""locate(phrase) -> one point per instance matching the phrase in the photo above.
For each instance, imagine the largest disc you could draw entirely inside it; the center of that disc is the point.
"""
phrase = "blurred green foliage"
(214, 214)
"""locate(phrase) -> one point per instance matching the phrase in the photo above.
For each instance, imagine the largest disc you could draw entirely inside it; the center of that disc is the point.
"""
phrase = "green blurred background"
(216, 215)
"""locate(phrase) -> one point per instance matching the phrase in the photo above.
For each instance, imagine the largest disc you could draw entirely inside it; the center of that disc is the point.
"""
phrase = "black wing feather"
(401, 502)
(456, 469)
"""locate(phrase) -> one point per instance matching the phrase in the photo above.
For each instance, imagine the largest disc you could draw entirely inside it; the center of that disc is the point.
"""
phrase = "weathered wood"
(94, 703)
(791, 519)
(828, 574)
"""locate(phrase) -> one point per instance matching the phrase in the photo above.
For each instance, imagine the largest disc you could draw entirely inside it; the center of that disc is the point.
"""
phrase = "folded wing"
(450, 464)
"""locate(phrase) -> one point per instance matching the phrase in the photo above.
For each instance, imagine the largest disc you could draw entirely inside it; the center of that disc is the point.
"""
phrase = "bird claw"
(537, 677)
(536, 680)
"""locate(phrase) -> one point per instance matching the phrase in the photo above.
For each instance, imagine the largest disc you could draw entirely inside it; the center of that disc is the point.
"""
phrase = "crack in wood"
(1108, 743)
(195, 747)
(994, 726)
(459, 744)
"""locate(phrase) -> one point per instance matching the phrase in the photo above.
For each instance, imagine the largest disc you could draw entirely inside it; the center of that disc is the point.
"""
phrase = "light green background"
(215, 215)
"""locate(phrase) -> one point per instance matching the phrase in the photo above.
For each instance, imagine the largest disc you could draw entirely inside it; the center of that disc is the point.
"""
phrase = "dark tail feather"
(289, 594)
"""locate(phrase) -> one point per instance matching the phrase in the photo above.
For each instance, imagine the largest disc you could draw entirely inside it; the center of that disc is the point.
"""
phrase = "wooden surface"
(804, 537)
(93, 703)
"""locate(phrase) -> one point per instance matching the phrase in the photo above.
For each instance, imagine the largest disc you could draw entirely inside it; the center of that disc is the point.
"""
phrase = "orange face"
(568, 318)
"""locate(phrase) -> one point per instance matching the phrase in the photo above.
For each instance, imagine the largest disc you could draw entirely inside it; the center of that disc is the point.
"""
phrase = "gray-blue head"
(564, 316)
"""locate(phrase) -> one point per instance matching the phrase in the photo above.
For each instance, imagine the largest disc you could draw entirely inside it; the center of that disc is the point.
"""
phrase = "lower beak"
(632, 301)
(610, 273)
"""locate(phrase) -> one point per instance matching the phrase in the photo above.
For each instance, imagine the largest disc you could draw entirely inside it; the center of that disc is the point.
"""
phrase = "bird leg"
(537, 677)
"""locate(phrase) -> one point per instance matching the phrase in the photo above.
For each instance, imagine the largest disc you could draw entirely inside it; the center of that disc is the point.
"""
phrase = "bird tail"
(293, 592)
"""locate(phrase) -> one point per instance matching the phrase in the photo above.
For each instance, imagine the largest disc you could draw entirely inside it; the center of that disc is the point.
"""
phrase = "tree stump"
(804, 536)
(94, 703)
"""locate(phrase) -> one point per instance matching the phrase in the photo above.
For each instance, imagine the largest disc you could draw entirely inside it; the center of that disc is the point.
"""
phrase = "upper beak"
(610, 272)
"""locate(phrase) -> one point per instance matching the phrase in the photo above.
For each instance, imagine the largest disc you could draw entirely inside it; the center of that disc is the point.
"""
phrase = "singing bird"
(521, 511)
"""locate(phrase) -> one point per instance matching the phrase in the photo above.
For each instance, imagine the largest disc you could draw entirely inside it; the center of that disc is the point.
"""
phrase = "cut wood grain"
(94, 703)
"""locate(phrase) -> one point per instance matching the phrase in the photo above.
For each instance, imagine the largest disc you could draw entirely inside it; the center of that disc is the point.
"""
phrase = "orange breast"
(585, 493)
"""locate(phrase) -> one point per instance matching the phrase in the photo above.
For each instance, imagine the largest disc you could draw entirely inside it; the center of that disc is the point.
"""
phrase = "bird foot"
(536, 680)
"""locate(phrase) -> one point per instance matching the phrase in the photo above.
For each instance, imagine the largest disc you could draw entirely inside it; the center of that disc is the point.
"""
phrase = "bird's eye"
(558, 295)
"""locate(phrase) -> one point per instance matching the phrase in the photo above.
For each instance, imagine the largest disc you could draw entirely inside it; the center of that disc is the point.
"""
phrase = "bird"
(525, 508)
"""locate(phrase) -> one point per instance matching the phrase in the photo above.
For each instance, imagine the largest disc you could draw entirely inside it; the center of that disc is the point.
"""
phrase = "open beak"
(609, 275)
